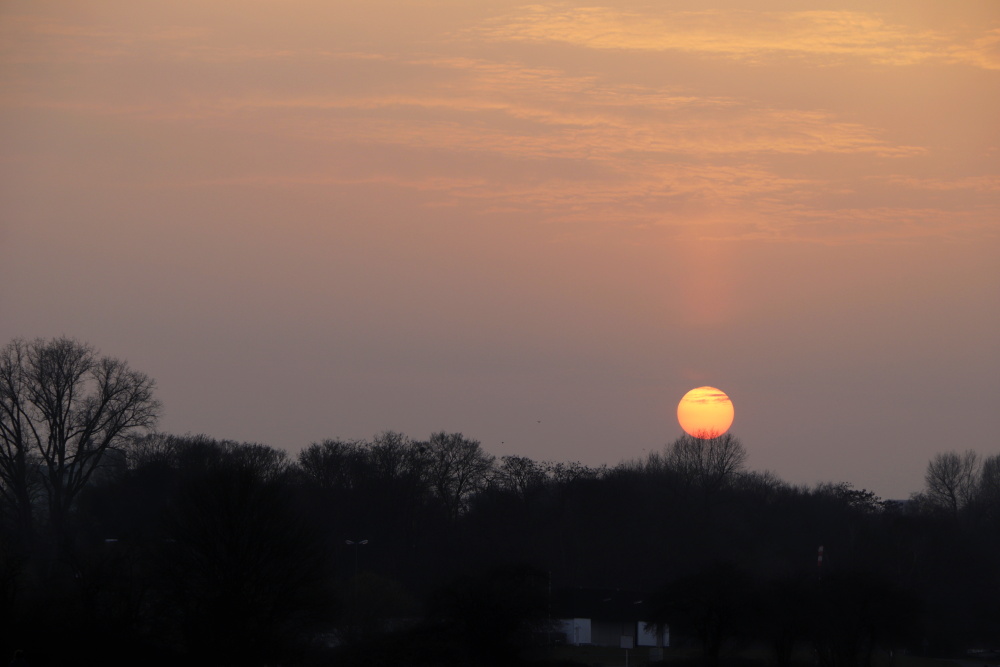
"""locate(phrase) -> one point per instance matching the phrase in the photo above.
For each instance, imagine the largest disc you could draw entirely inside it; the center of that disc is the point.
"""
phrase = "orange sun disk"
(705, 412)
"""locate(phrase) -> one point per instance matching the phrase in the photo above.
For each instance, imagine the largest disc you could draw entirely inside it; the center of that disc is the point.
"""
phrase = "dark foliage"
(712, 605)
(188, 549)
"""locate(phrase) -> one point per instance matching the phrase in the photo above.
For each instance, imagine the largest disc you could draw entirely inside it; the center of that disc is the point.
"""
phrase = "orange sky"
(538, 224)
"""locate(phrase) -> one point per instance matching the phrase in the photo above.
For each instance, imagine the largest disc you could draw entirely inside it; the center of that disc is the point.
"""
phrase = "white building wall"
(577, 630)
(649, 637)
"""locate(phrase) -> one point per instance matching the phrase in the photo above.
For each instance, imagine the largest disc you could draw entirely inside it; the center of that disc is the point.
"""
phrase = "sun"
(705, 412)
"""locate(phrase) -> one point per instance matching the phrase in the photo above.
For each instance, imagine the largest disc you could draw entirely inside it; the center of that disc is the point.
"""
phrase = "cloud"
(822, 36)
(981, 52)
(981, 183)
(33, 39)
(507, 108)
(524, 136)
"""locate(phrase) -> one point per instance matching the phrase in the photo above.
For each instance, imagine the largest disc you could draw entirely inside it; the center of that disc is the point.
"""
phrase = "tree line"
(126, 542)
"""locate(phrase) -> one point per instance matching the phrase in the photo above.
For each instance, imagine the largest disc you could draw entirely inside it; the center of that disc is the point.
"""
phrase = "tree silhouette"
(457, 468)
(494, 613)
(246, 572)
(951, 480)
(859, 612)
(706, 463)
(713, 605)
(62, 407)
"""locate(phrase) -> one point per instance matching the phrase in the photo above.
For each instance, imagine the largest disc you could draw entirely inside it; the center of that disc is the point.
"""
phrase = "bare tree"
(330, 464)
(270, 463)
(149, 449)
(989, 482)
(395, 456)
(572, 471)
(706, 462)
(519, 475)
(983, 503)
(951, 479)
(65, 406)
(457, 468)
(18, 461)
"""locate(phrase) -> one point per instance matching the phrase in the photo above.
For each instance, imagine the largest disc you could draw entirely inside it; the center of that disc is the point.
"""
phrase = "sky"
(539, 224)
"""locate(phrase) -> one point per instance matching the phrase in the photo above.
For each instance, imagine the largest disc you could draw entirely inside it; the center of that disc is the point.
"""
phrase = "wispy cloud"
(981, 183)
(507, 108)
(514, 135)
(982, 51)
(32, 39)
(510, 109)
(825, 36)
